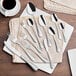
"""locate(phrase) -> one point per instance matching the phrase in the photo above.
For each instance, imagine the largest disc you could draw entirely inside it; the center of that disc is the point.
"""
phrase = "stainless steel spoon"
(24, 26)
(52, 32)
(55, 19)
(31, 24)
(62, 29)
(42, 22)
(47, 51)
(31, 9)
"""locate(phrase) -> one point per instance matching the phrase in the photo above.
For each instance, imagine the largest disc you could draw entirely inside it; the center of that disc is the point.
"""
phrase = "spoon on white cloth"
(55, 19)
(42, 22)
(52, 32)
(31, 24)
(31, 10)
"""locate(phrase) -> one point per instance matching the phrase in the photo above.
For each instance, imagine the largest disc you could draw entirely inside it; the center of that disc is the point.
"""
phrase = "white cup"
(10, 11)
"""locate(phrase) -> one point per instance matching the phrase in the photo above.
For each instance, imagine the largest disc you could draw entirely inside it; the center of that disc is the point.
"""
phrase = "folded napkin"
(14, 33)
(60, 6)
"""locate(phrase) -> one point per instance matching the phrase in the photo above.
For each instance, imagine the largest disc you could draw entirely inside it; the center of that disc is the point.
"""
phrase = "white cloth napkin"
(43, 66)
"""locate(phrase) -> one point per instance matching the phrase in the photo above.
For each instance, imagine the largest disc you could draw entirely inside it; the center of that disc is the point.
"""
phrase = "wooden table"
(7, 68)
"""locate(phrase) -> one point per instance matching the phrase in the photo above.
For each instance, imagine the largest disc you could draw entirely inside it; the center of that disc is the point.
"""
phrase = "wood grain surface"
(7, 68)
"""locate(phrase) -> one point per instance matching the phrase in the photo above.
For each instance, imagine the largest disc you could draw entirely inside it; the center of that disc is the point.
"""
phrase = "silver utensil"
(60, 25)
(62, 29)
(30, 23)
(24, 26)
(43, 24)
(46, 48)
(31, 9)
(55, 19)
(52, 32)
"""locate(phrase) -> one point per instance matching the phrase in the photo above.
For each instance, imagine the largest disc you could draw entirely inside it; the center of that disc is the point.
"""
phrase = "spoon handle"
(30, 35)
(56, 45)
(48, 40)
(39, 55)
(63, 36)
(40, 45)
(46, 48)
(37, 27)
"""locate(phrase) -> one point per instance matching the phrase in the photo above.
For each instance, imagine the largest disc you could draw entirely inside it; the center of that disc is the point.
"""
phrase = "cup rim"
(5, 8)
